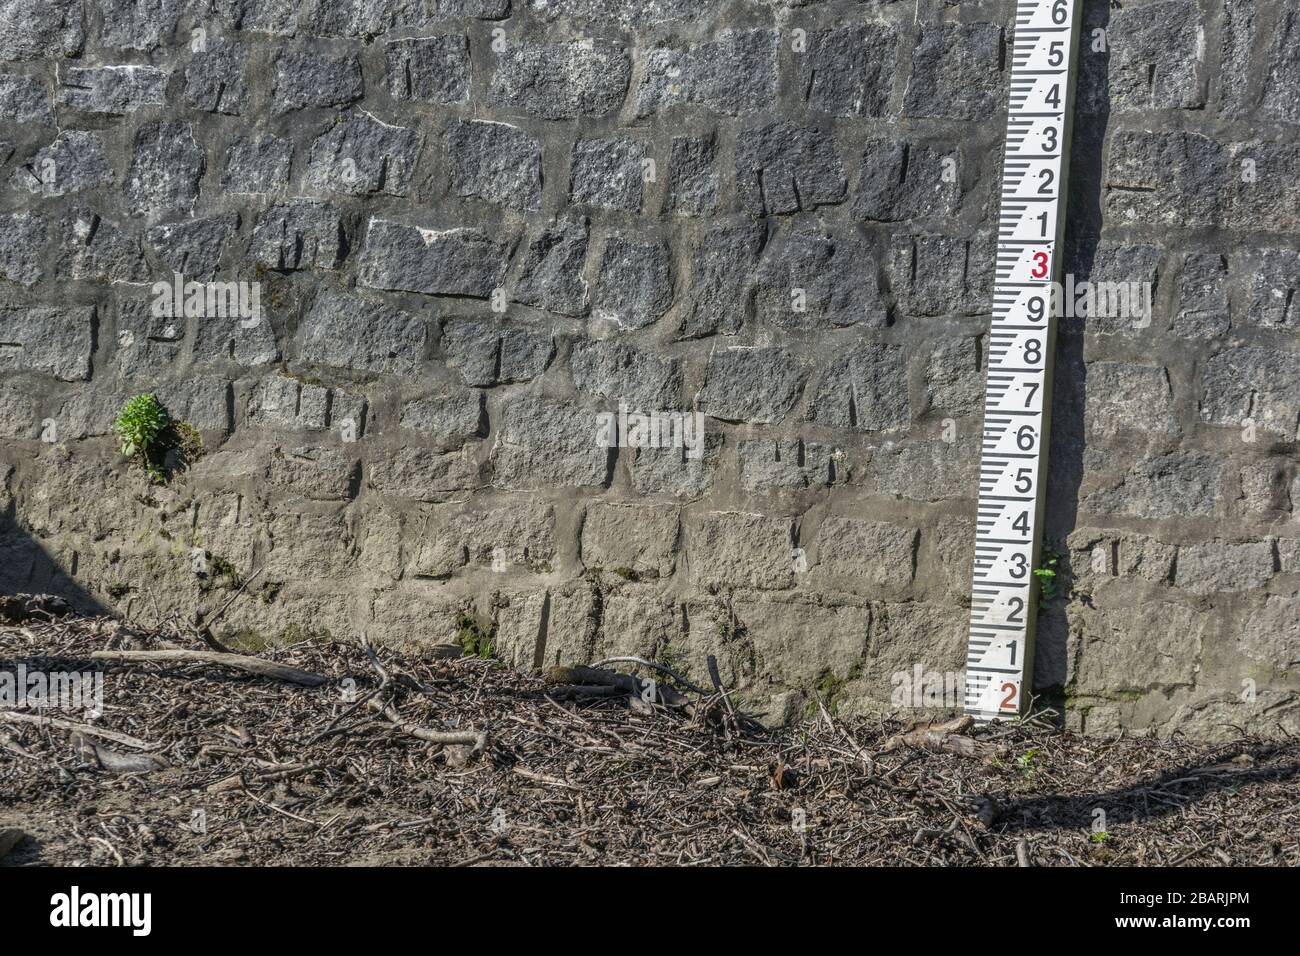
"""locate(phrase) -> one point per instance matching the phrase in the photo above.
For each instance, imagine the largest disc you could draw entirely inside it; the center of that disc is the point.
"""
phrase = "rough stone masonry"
(476, 225)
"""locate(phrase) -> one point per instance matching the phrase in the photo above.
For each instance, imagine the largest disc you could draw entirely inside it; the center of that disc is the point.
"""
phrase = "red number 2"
(1008, 702)
(1040, 266)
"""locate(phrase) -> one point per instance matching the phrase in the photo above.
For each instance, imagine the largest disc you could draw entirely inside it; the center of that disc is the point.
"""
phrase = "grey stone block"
(957, 72)
(543, 444)
(53, 340)
(732, 548)
(1271, 293)
(865, 389)
(496, 163)
(551, 273)
(461, 261)
(1156, 57)
(1216, 566)
(1126, 397)
(32, 29)
(214, 78)
(23, 239)
(635, 283)
(814, 280)
(361, 156)
(672, 471)
(872, 557)
(925, 470)
(1168, 178)
(1256, 383)
(784, 168)
(768, 464)
(734, 74)
(309, 76)
(166, 168)
(449, 421)
(346, 331)
(849, 71)
(607, 173)
(485, 354)
(755, 385)
(721, 294)
(1281, 97)
(113, 89)
(954, 377)
(139, 24)
(257, 165)
(91, 247)
(903, 180)
(693, 180)
(228, 339)
(1202, 297)
(74, 162)
(24, 99)
(641, 538)
(625, 375)
(429, 69)
(299, 234)
(193, 247)
(1183, 482)
(561, 80)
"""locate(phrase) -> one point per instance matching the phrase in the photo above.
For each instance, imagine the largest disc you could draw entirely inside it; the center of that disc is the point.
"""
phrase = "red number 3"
(1040, 266)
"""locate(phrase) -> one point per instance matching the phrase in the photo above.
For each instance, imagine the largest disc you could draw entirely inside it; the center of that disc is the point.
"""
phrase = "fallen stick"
(945, 738)
(241, 662)
(476, 737)
(126, 740)
(114, 762)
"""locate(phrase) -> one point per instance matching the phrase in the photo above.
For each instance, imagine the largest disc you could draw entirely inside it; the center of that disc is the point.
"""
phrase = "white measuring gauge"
(1017, 398)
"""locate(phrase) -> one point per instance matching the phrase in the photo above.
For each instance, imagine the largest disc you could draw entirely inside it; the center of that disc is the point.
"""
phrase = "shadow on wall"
(1069, 395)
(27, 567)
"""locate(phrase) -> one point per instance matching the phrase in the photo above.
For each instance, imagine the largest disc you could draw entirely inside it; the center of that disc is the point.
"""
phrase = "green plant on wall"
(151, 436)
(1047, 575)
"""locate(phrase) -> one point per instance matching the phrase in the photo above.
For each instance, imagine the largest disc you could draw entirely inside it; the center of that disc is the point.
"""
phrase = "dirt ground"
(204, 764)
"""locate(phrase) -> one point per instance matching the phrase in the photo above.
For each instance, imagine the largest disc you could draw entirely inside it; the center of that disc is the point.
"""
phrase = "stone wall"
(475, 225)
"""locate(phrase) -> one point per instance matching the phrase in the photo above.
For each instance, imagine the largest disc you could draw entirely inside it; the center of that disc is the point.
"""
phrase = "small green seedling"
(1026, 760)
(138, 425)
(1046, 576)
(1100, 836)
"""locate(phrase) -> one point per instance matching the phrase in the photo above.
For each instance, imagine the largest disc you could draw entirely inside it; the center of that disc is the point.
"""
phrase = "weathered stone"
(74, 162)
(362, 18)
(1270, 634)
(783, 168)
(1274, 290)
(722, 275)
(146, 344)
(414, 618)
(641, 620)
(813, 280)
(232, 339)
(942, 274)
(496, 163)
(635, 284)
(957, 72)
(193, 247)
(424, 475)
(275, 17)
(521, 630)
(637, 538)
(519, 535)
(864, 389)
(345, 331)
(1153, 645)
(734, 74)
(24, 99)
(1156, 57)
(1123, 397)
(463, 261)
(767, 464)
(214, 78)
(477, 9)
(925, 470)
(23, 238)
(299, 234)
(113, 89)
(732, 548)
(307, 544)
(561, 80)
(1177, 483)
(693, 176)
(625, 375)
(626, 13)
(1282, 68)
(755, 385)
(361, 156)
(32, 29)
(849, 71)
(280, 401)
(903, 180)
(802, 640)
(954, 377)
(306, 76)
(203, 401)
(165, 169)
(872, 557)
(429, 69)
(1202, 297)
(550, 275)
(53, 340)
(543, 444)
(139, 24)
(1215, 566)
(1255, 383)
(1168, 178)
(449, 421)
(258, 165)
(1262, 195)
(674, 471)
(486, 355)
(607, 173)
(1264, 488)
(94, 248)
